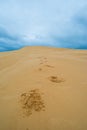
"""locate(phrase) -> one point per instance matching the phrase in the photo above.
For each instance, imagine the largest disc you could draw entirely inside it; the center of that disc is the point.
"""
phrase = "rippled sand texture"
(43, 88)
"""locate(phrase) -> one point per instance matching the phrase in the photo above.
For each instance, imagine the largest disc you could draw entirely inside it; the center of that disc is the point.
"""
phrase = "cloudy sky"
(43, 22)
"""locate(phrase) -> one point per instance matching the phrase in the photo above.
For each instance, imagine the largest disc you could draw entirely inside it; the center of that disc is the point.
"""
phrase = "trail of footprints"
(55, 79)
(32, 100)
(44, 63)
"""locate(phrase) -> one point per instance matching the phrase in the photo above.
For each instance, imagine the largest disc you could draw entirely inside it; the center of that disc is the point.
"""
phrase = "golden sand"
(43, 88)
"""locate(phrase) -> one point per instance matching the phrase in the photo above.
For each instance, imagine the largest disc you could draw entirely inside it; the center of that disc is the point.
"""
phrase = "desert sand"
(43, 88)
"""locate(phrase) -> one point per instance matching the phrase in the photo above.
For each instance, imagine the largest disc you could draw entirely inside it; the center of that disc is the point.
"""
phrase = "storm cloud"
(47, 23)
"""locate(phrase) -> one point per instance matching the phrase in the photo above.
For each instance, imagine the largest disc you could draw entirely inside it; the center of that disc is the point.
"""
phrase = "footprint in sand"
(43, 60)
(56, 79)
(49, 66)
(44, 67)
(44, 63)
(40, 69)
(32, 101)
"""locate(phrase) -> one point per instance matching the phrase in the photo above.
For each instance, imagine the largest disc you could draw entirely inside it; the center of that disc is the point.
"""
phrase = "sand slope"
(43, 88)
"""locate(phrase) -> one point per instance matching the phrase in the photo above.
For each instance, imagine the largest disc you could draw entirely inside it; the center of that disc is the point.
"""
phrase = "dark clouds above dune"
(9, 41)
(48, 23)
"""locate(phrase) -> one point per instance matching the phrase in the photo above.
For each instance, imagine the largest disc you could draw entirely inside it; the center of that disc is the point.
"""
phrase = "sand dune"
(43, 88)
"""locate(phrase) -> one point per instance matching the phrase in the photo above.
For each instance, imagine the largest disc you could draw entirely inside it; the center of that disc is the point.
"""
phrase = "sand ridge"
(43, 88)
